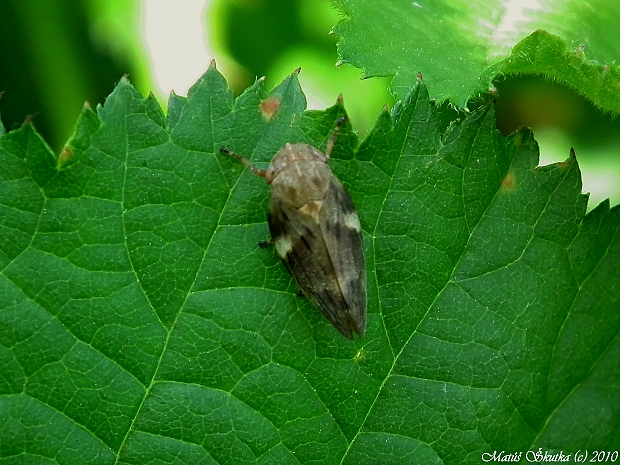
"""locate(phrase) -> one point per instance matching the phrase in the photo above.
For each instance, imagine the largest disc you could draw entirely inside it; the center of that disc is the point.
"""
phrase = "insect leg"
(332, 138)
(245, 161)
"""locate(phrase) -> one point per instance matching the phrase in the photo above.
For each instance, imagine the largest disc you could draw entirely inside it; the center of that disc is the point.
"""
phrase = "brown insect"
(316, 232)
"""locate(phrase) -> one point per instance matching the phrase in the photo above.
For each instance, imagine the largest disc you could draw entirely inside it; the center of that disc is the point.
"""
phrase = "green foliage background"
(139, 322)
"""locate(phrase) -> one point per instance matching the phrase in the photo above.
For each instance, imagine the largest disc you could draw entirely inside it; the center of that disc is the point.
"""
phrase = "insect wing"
(324, 254)
(300, 244)
(343, 237)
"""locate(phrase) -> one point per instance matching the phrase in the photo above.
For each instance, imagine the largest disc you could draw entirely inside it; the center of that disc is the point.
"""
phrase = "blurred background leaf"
(59, 53)
(461, 46)
(51, 65)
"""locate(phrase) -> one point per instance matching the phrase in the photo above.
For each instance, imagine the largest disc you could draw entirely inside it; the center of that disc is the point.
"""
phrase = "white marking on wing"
(352, 221)
(283, 246)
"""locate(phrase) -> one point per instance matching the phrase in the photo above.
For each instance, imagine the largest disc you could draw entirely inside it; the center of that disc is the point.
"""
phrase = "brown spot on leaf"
(269, 107)
(509, 181)
(65, 156)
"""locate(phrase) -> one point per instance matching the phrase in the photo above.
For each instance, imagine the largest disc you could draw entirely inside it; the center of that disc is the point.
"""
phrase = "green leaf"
(140, 323)
(460, 47)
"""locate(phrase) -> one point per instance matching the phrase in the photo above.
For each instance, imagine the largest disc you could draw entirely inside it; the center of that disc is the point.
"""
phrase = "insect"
(316, 231)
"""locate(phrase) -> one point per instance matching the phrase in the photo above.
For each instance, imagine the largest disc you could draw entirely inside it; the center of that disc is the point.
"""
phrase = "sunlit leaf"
(461, 46)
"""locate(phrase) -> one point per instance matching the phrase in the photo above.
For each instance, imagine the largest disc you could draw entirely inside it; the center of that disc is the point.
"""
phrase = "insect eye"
(270, 174)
